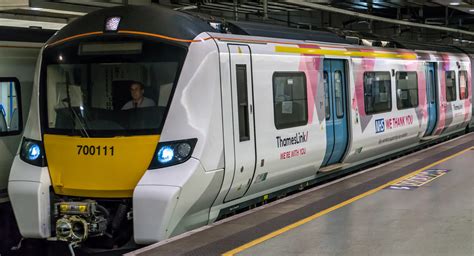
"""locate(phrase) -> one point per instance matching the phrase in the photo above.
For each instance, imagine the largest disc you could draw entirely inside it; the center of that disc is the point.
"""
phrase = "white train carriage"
(229, 119)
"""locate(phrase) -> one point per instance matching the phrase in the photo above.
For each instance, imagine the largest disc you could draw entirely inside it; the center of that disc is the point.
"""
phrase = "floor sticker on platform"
(418, 180)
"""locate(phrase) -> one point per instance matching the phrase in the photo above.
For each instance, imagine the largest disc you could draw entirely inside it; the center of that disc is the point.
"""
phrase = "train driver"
(138, 100)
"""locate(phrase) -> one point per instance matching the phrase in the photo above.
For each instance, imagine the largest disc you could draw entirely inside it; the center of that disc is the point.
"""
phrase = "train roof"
(186, 26)
(468, 50)
(149, 19)
(324, 36)
(275, 31)
(159, 20)
(429, 47)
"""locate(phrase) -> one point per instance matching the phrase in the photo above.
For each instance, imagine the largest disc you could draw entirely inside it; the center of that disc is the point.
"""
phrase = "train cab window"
(289, 99)
(10, 107)
(450, 86)
(377, 92)
(407, 90)
(463, 83)
(96, 92)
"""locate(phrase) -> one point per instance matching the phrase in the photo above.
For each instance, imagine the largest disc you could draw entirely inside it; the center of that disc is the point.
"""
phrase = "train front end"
(101, 98)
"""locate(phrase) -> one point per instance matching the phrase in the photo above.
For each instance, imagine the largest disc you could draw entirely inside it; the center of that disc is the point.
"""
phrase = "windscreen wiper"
(75, 116)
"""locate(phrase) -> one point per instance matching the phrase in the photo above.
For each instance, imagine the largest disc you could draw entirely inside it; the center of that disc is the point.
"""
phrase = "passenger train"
(232, 118)
(19, 49)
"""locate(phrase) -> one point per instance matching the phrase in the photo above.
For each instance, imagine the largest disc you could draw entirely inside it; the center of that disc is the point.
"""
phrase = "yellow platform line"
(335, 207)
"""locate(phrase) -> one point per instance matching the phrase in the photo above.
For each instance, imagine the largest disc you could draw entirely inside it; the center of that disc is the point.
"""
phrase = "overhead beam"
(29, 23)
(61, 6)
(13, 4)
(43, 10)
(33, 18)
(374, 17)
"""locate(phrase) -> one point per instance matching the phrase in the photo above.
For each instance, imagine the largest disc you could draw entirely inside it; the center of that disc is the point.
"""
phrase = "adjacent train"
(146, 123)
(19, 49)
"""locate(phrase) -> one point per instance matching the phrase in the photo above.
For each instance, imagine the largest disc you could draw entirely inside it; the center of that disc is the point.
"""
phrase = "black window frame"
(389, 91)
(19, 106)
(288, 74)
(417, 90)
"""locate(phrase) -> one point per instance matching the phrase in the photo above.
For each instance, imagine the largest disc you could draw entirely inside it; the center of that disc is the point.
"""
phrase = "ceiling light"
(454, 3)
(471, 10)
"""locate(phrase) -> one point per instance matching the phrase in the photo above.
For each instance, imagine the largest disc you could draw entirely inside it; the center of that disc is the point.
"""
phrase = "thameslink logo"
(300, 137)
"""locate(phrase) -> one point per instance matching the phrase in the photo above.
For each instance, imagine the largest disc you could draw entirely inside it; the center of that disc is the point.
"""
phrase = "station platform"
(420, 204)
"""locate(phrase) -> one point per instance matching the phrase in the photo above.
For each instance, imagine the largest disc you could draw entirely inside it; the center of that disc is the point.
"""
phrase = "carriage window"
(377, 92)
(10, 107)
(407, 90)
(463, 82)
(450, 86)
(289, 99)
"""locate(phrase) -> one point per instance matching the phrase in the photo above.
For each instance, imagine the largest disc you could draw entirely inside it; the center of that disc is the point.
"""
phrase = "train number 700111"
(95, 150)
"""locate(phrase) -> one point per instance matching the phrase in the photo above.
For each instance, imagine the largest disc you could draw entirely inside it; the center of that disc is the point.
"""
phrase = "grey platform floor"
(434, 219)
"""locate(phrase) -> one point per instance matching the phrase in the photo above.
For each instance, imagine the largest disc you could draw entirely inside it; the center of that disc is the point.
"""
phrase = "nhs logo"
(379, 125)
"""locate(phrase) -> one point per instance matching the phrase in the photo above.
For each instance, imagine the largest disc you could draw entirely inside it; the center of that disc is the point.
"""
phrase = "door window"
(432, 94)
(10, 107)
(242, 97)
(338, 83)
(326, 96)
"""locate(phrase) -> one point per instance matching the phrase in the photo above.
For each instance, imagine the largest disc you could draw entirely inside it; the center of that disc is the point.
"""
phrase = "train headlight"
(32, 152)
(183, 150)
(172, 153)
(165, 154)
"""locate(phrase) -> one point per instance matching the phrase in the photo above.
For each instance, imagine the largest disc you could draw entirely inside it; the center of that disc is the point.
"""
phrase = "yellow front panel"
(98, 167)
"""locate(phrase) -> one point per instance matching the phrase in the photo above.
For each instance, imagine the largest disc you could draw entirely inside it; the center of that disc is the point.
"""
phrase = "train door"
(336, 111)
(431, 95)
(243, 120)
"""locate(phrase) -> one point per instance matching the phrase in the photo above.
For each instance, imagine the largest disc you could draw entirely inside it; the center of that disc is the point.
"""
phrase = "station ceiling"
(53, 14)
